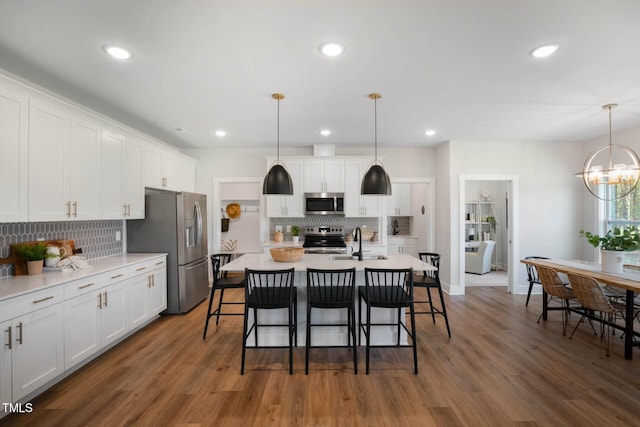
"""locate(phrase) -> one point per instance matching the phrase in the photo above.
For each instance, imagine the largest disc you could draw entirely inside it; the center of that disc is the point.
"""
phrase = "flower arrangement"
(625, 238)
(32, 252)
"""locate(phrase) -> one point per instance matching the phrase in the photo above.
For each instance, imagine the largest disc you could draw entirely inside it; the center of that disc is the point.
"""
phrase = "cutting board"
(20, 265)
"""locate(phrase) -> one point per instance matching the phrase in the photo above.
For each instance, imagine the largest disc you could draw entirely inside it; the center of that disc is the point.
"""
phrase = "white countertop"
(17, 285)
(324, 261)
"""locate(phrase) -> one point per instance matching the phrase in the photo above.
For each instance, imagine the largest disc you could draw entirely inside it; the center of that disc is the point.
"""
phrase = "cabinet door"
(352, 180)
(48, 163)
(133, 187)
(14, 151)
(394, 248)
(403, 198)
(5, 361)
(138, 294)
(113, 314)
(276, 206)
(84, 164)
(179, 172)
(334, 176)
(81, 327)
(38, 349)
(313, 176)
(112, 173)
(295, 203)
(153, 166)
(157, 296)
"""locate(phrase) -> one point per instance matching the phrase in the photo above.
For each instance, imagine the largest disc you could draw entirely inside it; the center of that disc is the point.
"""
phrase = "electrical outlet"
(279, 228)
(118, 236)
(288, 229)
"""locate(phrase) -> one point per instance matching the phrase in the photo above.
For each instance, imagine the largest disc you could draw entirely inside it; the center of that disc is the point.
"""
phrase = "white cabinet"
(355, 204)
(14, 151)
(288, 206)
(5, 361)
(113, 314)
(122, 187)
(167, 170)
(81, 327)
(399, 204)
(84, 162)
(37, 349)
(48, 162)
(402, 245)
(148, 294)
(324, 176)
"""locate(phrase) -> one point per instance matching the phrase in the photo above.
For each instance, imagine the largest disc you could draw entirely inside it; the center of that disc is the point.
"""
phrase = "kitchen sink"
(355, 258)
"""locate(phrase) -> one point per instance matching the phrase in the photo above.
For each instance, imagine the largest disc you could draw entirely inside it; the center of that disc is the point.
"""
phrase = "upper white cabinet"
(168, 170)
(324, 176)
(84, 162)
(48, 163)
(14, 150)
(122, 188)
(399, 204)
(355, 204)
(288, 206)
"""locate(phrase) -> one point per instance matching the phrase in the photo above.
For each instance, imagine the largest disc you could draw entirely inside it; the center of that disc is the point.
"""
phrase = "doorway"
(491, 196)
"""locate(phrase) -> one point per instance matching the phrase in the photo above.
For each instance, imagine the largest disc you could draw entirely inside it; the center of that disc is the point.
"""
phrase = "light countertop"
(17, 285)
(324, 261)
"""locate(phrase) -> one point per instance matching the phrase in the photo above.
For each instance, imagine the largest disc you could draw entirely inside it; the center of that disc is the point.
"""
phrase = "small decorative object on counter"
(349, 238)
(278, 236)
(34, 254)
(295, 233)
(54, 254)
(374, 238)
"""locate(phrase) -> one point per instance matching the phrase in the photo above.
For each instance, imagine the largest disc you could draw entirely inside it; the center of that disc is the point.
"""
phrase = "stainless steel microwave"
(324, 203)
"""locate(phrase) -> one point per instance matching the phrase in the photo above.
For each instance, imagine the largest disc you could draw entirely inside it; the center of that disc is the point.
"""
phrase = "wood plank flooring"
(500, 368)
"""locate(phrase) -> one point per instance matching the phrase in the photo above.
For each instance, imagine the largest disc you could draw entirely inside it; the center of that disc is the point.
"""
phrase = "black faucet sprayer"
(357, 237)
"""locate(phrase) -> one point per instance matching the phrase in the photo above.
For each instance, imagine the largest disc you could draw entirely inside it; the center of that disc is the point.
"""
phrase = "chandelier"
(611, 172)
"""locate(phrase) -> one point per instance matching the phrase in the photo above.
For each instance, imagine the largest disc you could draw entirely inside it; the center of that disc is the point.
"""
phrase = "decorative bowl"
(287, 254)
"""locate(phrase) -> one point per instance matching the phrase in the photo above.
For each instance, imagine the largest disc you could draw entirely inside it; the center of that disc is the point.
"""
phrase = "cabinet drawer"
(23, 304)
(147, 266)
(82, 286)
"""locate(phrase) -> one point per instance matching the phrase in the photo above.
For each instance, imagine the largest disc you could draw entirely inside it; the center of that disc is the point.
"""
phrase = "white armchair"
(480, 262)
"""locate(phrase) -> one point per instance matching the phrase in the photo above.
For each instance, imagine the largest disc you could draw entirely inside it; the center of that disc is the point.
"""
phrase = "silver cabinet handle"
(159, 262)
(8, 343)
(153, 280)
(116, 276)
(105, 298)
(38, 301)
(100, 300)
(140, 268)
(75, 208)
(68, 208)
(124, 210)
(86, 286)
(19, 327)
(148, 281)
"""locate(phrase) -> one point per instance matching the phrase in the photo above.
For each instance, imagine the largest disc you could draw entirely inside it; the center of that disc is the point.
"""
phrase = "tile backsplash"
(316, 221)
(96, 238)
(404, 224)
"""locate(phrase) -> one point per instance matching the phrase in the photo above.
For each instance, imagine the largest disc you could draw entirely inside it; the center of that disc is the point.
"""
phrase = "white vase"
(296, 239)
(611, 261)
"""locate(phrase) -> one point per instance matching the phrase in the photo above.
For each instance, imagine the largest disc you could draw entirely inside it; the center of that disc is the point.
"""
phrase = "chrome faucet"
(357, 237)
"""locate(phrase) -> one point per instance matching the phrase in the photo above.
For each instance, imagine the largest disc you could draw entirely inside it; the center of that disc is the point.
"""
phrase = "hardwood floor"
(500, 368)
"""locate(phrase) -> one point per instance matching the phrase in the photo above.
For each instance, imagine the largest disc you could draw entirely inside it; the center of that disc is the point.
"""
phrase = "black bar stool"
(222, 282)
(332, 289)
(431, 280)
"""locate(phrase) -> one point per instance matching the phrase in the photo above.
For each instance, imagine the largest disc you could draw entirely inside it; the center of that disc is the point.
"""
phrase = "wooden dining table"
(629, 281)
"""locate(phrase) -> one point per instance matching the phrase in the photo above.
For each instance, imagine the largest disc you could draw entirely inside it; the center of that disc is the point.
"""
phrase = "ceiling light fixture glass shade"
(118, 52)
(620, 173)
(376, 181)
(544, 51)
(278, 180)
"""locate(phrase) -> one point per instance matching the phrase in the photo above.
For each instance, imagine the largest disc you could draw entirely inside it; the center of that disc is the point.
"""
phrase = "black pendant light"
(278, 180)
(376, 181)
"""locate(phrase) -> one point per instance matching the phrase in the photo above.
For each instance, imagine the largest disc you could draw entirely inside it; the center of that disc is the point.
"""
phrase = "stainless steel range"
(324, 240)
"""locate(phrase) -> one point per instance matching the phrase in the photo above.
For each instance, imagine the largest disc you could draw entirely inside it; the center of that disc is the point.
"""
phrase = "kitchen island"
(329, 335)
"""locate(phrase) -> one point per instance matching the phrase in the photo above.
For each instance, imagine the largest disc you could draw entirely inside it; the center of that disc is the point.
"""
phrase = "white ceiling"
(461, 67)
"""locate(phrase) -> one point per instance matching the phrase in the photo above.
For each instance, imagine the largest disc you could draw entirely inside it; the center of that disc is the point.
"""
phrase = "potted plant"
(620, 239)
(295, 233)
(34, 254)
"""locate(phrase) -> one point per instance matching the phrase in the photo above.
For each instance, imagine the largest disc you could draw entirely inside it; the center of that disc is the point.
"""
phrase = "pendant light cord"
(278, 133)
(610, 143)
(375, 126)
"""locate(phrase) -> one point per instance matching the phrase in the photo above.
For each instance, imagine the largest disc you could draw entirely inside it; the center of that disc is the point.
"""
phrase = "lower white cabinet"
(402, 245)
(148, 294)
(49, 331)
(37, 350)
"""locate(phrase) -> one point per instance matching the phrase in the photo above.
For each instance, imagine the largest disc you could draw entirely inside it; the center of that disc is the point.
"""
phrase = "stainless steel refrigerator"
(176, 223)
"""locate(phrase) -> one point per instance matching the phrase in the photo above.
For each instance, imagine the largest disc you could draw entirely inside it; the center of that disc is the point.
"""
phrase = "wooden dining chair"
(555, 288)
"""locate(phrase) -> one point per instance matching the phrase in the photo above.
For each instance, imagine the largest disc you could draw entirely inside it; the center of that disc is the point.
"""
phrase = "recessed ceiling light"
(544, 51)
(118, 52)
(429, 132)
(325, 132)
(332, 48)
(181, 130)
(221, 133)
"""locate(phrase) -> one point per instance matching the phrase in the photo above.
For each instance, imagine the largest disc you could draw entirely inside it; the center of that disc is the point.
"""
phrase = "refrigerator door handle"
(198, 217)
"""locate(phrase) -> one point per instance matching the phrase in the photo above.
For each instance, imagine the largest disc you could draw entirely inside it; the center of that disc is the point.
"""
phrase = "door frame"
(512, 230)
